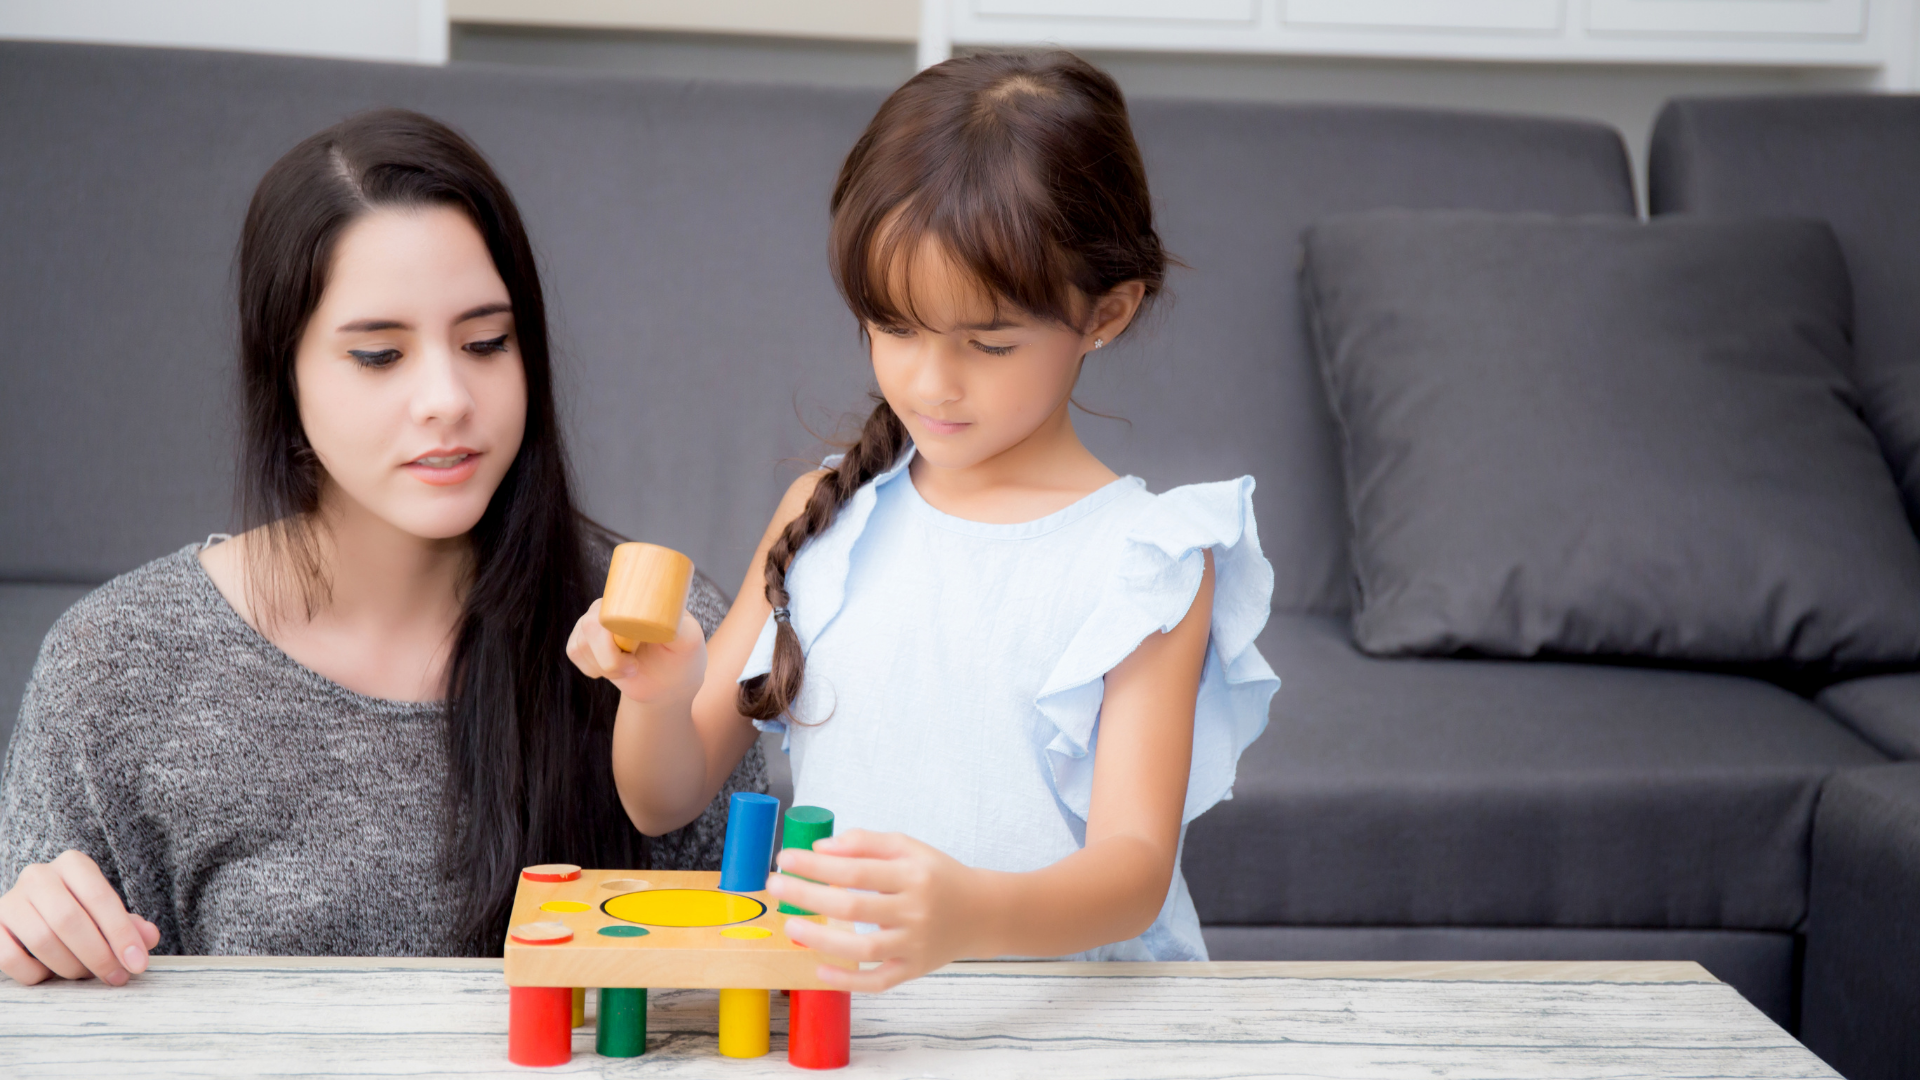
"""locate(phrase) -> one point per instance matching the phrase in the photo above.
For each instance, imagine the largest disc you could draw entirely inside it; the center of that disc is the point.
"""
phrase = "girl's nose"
(935, 382)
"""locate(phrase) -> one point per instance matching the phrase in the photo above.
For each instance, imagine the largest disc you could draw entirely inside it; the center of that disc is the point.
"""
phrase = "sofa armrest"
(1860, 1005)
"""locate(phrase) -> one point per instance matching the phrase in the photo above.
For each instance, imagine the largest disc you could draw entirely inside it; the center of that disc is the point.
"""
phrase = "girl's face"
(408, 375)
(978, 378)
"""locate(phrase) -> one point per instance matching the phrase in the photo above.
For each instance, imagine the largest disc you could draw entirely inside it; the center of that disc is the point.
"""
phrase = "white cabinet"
(1761, 18)
(1536, 16)
(1872, 34)
(1242, 11)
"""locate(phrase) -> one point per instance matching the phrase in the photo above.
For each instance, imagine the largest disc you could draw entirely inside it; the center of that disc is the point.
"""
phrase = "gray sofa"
(1433, 808)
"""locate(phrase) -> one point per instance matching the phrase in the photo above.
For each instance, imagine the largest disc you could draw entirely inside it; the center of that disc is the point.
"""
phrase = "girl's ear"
(1113, 312)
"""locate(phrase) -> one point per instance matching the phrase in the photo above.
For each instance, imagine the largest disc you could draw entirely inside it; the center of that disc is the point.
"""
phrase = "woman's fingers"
(24, 921)
(149, 932)
(50, 889)
(17, 963)
(125, 942)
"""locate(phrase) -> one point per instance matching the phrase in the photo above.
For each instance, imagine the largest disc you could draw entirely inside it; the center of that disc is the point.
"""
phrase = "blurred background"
(1613, 61)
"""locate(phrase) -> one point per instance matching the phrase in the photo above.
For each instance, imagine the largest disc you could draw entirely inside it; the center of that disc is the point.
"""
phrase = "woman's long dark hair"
(1025, 169)
(528, 737)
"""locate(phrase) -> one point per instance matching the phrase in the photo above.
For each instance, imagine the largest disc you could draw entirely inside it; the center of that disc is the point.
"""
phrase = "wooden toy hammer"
(646, 592)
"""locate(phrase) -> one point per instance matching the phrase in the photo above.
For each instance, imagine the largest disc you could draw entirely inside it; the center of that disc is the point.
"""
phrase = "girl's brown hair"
(1023, 168)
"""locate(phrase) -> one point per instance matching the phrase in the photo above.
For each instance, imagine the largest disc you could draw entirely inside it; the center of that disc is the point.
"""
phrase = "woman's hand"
(62, 918)
(929, 907)
(651, 674)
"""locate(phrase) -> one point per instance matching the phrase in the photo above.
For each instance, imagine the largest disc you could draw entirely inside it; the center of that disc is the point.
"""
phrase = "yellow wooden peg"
(646, 592)
(745, 1016)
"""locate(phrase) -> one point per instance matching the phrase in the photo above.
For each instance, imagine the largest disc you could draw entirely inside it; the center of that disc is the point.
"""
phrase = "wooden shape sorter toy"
(626, 930)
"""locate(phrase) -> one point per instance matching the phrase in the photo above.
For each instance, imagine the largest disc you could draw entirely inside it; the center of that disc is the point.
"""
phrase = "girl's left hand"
(930, 908)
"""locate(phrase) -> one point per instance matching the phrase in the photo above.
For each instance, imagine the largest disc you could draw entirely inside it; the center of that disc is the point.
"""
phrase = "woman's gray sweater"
(244, 803)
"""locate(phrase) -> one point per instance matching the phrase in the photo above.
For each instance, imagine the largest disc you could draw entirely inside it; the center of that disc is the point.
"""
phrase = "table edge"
(1612, 971)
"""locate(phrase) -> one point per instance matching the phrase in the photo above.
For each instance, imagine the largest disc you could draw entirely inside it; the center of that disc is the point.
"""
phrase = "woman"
(345, 730)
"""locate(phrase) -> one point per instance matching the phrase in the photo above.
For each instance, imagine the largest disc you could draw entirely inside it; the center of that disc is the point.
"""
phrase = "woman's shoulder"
(162, 604)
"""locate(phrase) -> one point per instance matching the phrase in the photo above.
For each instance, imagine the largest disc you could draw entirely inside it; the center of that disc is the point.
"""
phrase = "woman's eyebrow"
(485, 310)
(364, 326)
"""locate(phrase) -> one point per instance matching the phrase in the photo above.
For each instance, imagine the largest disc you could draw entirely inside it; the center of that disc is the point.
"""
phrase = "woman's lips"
(442, 470)
(941, 427)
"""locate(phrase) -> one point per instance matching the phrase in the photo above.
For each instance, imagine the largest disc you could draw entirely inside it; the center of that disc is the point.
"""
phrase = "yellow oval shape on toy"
(747, 933)
(684, 907)
(565, 905)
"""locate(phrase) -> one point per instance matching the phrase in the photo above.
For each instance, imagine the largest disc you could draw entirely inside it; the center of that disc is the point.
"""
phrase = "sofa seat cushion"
(1450, 792)
(1884, 709)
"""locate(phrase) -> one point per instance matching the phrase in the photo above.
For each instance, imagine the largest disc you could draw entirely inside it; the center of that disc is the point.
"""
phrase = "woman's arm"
(60, 915)
(931, 909)
(679, 732)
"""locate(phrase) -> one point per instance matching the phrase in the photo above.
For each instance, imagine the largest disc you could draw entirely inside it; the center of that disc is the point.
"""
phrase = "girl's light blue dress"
(955, 668)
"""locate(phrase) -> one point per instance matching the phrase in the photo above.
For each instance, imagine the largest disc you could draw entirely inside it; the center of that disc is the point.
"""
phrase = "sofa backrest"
(682, 228)
(1850, 159)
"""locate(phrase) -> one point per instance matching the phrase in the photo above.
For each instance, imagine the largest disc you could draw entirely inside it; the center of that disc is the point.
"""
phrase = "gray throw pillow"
(1600, 437)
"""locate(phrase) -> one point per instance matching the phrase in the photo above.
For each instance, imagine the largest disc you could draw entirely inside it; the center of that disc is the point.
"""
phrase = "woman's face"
(408, 374)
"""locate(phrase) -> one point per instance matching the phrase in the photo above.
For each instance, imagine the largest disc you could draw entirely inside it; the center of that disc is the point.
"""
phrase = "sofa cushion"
(1861, 1001)
(682, 231)
(1565, 436)
(1884, 709)
(1852, 160)
(1428, 792)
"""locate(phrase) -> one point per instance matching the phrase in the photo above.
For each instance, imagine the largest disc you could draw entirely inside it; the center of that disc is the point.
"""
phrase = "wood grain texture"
(267, 1016)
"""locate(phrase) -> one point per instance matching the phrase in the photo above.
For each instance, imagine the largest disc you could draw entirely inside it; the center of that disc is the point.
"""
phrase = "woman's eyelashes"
(374, 358)
(490, 346)
(381, 358)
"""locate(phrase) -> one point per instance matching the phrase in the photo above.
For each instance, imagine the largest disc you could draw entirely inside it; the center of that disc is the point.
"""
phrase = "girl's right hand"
(651, 674)
(62, 918)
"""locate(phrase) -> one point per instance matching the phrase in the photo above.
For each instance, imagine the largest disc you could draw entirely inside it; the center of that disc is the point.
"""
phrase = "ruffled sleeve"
(1153, 586)
(817, 579)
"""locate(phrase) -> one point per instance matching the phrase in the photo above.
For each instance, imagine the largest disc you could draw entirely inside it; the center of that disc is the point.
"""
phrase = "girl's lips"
(941, 427)
(443, 475)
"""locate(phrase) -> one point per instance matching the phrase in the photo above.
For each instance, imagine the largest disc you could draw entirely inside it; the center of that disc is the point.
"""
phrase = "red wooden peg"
(540, 1025)
(818, 1028)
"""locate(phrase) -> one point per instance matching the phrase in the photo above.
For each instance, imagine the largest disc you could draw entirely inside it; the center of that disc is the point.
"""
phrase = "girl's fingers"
(37, 937)
(17, 963)
(871, 981)
(836, 903)
(881, 874)
(843, 943)
(125, 942)
(861, 844)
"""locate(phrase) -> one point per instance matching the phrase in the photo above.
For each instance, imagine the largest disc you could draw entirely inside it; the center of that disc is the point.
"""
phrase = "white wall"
(406, 30)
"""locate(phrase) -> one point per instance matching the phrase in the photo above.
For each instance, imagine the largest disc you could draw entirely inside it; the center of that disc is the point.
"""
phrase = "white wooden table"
(274, 1016)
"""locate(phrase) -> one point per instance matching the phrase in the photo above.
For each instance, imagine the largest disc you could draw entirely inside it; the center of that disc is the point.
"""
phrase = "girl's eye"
(489, 346)
(993, 350)
(374, 358)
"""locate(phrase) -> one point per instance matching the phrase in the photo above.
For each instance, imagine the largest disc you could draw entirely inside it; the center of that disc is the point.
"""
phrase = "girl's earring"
(1097, 342)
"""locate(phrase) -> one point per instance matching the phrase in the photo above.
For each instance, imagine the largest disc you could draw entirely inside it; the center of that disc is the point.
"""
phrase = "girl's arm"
(679, 734)
(931, 909)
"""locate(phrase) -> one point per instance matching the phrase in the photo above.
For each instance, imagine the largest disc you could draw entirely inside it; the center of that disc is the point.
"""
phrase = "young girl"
(1013, 675)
